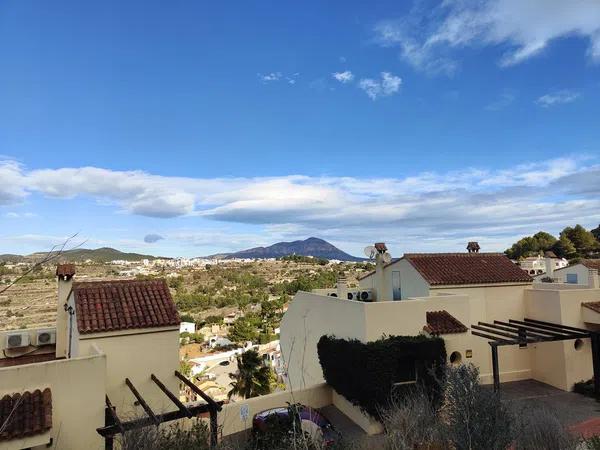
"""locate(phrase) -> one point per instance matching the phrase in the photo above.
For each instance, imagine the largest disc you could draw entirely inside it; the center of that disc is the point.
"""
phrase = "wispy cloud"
(429, 38)
(18, 215)
(388, 85)
(343, 77)
(557, 98)
(272, 77)
(505, 99)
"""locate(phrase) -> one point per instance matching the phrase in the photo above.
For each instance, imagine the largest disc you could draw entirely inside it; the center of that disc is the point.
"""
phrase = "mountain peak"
(312, 246)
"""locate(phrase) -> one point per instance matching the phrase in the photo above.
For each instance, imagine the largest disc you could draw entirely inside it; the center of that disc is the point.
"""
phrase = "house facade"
(106, 333)
(413, 294)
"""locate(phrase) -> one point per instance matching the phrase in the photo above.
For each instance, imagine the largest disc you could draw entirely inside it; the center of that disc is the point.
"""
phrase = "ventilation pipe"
(549, 266)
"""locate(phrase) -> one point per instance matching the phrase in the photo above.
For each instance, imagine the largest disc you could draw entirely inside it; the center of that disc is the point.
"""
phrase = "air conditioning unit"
(366, 296)
(332, 294)
(353, 295)
(45, 337)
(17, 339)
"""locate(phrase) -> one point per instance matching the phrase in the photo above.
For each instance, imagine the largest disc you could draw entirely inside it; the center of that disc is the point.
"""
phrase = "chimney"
(342, 288)
(381, 248)
(473, 247)
(64, 276)
(549, 266)
(593, 282)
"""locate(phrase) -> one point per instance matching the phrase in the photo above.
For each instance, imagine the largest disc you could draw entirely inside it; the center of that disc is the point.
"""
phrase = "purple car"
(309, 420)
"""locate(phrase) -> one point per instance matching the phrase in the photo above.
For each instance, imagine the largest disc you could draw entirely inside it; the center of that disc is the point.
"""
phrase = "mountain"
(315, 247)
(102, 255)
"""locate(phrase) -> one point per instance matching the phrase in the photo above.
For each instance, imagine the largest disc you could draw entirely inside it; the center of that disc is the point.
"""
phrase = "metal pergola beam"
(172, 396)
(533, 331)
(142, 402)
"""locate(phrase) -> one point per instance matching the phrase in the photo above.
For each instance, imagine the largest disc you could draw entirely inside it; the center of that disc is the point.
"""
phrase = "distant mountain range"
(315, 247)
(104, 254)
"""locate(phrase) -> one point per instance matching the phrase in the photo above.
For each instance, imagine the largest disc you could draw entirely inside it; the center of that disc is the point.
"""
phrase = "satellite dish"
(387, 258)
(370, 251)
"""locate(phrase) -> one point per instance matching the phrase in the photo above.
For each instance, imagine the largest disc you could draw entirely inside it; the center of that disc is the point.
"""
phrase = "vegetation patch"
(368, 375)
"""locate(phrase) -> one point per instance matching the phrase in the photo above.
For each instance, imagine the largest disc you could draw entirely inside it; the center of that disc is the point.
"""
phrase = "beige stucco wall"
(311, 316)
(412, 284)
(559, 363)
(78, 389)
(135, 354)
(231, 421)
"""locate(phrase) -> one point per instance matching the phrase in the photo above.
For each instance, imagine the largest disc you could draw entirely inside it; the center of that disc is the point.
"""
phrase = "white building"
(187, 327)
(538, 265)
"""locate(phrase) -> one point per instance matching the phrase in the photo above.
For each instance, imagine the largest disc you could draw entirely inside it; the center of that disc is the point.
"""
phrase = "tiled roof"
(119, 305)
(65, 270)
(26, 414)
(442, 322)
(466, 268)
(594, 306)
(591, 263)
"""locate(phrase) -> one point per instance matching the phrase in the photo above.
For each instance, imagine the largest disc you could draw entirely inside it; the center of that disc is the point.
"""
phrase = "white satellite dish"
(370, 251)
(387, 258)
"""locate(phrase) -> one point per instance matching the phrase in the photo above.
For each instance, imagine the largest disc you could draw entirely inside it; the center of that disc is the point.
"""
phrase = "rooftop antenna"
(370, 251)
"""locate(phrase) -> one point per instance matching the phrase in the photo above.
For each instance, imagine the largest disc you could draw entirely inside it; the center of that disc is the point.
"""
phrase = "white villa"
(457, 296)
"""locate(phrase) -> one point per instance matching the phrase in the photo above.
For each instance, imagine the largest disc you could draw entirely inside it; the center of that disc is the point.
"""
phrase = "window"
(572, 278)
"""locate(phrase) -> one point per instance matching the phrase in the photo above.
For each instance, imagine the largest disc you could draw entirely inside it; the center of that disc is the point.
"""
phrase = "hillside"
(100, 255)
(315, 247)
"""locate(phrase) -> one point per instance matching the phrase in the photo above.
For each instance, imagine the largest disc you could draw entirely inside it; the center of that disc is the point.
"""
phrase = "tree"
(544, 240)
(244, 329)
(252, 378)
(596, 233)
(583, 240)
(564, 248)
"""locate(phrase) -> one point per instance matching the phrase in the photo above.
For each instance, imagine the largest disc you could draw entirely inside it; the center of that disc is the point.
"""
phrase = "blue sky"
(218, 125)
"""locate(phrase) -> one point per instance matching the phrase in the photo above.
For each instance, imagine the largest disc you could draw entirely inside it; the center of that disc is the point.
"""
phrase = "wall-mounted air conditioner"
(366, 296)
(45, 337)
(17, 339)
(332, 294)
(353, 296)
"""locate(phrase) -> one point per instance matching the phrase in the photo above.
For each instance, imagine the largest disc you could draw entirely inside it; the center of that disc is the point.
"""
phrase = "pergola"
(530, 331)
(114, 425)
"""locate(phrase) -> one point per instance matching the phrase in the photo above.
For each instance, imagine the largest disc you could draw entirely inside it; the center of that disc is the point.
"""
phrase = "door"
(396, 285)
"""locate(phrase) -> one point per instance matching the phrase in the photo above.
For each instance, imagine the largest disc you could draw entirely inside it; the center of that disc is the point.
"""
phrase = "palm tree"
(252, 378)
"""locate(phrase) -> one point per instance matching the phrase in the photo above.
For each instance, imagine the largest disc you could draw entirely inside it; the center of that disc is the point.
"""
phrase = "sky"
(188, 128)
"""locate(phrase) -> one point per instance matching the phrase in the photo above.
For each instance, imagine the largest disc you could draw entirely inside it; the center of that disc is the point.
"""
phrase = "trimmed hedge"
(365, 374)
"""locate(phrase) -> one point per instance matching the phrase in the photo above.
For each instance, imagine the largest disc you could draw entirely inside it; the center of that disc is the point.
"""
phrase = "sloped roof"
(466, 268)
(119, 305)
(591, 263)
(442, 322)
(27, 414)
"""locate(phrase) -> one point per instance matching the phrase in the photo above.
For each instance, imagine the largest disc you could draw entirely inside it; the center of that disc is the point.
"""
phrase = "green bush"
(367, 374)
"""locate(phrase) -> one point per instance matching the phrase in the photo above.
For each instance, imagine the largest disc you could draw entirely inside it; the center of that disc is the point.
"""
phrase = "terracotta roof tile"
(119, 305)
(466, 268)
(594, 306)
(442, 322)
(26, 414)
(591, 263)
(65, 270)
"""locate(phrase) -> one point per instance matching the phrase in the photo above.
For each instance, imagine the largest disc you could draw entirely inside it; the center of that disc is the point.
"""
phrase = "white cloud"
(268, 77)
(343, 77)
(388, 85)
(16, 215)
(451, 206)
(429, 37)
(557, 98)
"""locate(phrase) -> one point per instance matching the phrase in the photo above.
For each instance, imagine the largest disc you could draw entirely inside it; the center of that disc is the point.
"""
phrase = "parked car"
(299, 417)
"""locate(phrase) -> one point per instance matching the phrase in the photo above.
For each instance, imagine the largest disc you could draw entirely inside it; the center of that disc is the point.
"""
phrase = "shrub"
(539, 429)
(585, 388)
(366, 374)
(474, 416)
